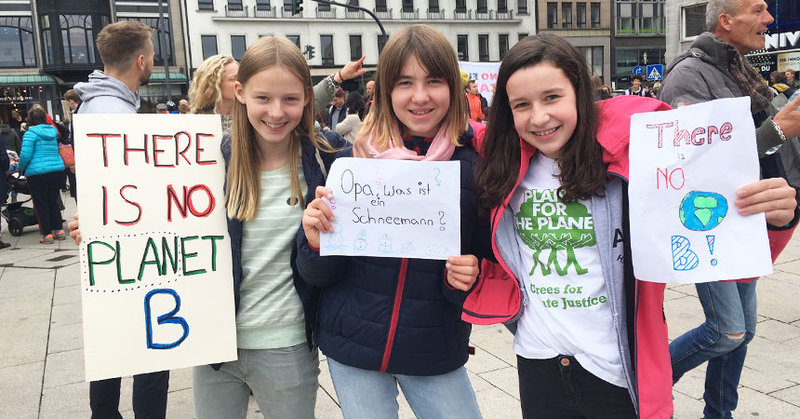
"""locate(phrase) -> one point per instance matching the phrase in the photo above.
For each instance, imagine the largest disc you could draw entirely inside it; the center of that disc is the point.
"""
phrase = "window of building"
(483, 47)
(597, 61)
(382, 41)
(595, 15)
(238, 46)
(433, 6)
(552, 15)
(481, 6)
(502, 44)
(522, 7)
(323, 7)
(463, 48)
(625, 14)
(693, 20)
(355, 47)
(521, 36)
(163, 31)
(566, 15)
(326, 44)
(287, 6)
(16, 42)
(649, 13)
(77, 39)
(408, 6)
(581, 12)
(295, 39)
(235, 5)
(380, 6)
(205, 4)
(263, 5)
(209, 43)
(502, 6)
(47, 39)
(461, 6)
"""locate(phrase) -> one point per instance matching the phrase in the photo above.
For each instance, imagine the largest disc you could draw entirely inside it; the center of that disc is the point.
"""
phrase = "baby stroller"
(16, 214)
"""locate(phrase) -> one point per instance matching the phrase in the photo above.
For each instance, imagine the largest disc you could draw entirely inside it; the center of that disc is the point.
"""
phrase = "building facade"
(586, 25)
(638, 39)
(330, 36)
(49, 45)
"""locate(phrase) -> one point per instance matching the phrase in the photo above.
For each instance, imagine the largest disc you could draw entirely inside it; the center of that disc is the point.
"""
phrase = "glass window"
(234, 4)
(205, 4)
(625, 18)
(502, 44)
(382, 41)
(461, 6)
(153, 23)
(323, 7)
(238, 46)
(595, 15)
(295, 39)
(522, 7)
(566, 15)
(16, 42)
(483, 47)
(77, 39)
(581, 9)
(626, 60)
(326, 44)
(355, 47)
(380, 5)
(433, 6)
(463, 48)
(694, 20)
(481, 6)
(502, 6)
(263, 5)
(521, 36)
(287, 6)
(408, 6)
(47, 39)
(552, 15)
(209, 45)
(597, 61)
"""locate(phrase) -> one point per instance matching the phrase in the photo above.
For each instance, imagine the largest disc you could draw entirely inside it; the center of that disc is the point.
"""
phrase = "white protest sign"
(394, 208)
(685, 167)
(155, 252)
(485, 76)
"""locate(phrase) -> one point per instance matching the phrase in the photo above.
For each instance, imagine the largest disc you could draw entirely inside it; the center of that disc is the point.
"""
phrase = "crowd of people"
(386, 325)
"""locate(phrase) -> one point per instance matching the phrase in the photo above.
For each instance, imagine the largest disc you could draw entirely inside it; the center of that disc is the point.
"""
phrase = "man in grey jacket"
(715, 68)
(126, 49)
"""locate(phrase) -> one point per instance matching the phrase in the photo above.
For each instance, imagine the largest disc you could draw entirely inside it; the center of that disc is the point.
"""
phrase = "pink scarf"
(441, 149)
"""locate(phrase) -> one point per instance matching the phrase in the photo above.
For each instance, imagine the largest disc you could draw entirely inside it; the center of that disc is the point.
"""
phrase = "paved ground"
(41, 366)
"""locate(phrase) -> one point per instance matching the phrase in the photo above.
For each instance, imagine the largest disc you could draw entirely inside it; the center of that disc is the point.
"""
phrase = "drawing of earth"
(702, 211)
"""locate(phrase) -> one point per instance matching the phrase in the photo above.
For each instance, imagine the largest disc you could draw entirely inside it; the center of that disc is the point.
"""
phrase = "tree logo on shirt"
(544, 223)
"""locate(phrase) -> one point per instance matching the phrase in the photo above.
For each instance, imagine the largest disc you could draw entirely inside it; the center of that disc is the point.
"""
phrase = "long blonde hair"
(204, 93)
(243, 193)
(434, 52)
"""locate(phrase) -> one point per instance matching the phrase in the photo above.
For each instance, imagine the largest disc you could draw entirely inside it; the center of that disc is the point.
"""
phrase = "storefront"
(19, 93)
(782, 44)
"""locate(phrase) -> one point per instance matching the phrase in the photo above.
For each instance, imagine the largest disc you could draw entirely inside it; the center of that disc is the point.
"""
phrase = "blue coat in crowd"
(39, 154)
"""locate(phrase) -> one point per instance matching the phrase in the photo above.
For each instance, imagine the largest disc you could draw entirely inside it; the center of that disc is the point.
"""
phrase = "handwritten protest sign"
(685, 167)
(155, 252)
(394, 208)
(485, 76)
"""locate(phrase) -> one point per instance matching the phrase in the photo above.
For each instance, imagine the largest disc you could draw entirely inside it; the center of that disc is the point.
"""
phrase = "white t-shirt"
(568, 311)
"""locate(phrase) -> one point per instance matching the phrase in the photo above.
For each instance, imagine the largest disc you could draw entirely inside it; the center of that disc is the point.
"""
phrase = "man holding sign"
(126, 49)
(715, 68)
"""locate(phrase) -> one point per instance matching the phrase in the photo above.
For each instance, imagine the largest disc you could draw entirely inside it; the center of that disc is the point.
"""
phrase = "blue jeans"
(366, 394)
(730, 310)
(283, 382)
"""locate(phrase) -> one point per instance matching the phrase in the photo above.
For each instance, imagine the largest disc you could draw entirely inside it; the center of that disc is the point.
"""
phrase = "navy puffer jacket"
(397, 315)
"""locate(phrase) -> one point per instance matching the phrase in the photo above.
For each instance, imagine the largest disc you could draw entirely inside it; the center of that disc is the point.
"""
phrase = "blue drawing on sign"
(638, 70)
(437, 250)
(683, 258)
(336, 240)
(360, 244)
(385, 245)
(408, 248)
(702, 211)
(655, 72)
(164, 319)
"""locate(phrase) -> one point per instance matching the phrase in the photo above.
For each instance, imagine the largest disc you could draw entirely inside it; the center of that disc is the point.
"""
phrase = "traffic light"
(297, 7)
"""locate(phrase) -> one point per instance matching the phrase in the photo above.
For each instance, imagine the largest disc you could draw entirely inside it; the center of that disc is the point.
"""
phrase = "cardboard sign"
(685, 167)
(155, 252)
(394, 208)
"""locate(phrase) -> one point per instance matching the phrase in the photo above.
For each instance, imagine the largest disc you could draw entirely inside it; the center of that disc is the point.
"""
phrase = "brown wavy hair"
(580, 160)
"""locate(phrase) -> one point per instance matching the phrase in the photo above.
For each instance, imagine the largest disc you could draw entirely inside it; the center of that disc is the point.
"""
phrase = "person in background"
(636, 86)
(337, 111)
(4, 167)
(351, 124)
(162, 108)
(791, 80)
(369, 89)
(73, 101)
(13, 140)
(474, 101)
(42, 165)
(183, 106)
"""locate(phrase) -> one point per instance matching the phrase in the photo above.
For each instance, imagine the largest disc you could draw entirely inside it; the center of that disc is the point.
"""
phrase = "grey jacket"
(701, 74)
(105, 94)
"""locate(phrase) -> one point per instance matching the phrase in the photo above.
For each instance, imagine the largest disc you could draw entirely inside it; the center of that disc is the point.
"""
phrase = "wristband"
(779, 130)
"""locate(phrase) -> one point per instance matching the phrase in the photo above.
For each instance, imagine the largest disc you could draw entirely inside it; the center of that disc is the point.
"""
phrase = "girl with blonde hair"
(273, 160)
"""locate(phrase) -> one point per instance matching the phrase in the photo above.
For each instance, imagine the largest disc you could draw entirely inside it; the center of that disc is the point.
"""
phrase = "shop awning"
(173, 77)
(27, 80)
